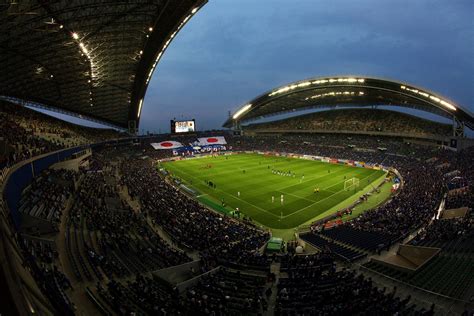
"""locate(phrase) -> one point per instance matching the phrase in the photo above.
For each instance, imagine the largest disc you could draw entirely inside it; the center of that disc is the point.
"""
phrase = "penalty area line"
(306, 207)
(231, 195)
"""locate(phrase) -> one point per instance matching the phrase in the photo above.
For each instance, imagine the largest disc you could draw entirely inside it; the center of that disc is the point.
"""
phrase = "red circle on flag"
(212, 140)
(166, 144)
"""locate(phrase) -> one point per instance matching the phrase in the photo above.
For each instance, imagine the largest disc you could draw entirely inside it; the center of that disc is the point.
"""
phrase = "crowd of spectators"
(442, 231)
(143, 296)
(351, 147)
(191, 225)
(126, 243)
(459, 175)
(451, 271)
(40, 256)
(119, 230)
(314, 286)
(359, 120)
(221, 292)
(226, 292)
(411, 208)
(26, 133)
(47, 195)
(18, 143)
(461, 198)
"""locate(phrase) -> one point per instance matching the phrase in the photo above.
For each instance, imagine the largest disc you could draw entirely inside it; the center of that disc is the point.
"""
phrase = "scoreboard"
(183, 126)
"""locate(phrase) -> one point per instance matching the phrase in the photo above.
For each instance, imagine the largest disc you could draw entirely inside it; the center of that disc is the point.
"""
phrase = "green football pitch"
(246, 181)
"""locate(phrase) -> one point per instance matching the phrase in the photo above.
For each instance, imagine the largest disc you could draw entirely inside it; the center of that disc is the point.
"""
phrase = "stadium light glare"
(84, 49)
(304, 84)
(75, 36)
(333, 93)
(448, 105)
(139, 108)
(244, 109)
(431, 97)
(317, 82)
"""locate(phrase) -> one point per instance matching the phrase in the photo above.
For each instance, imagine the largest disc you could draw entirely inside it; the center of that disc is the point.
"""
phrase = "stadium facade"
(350, 91)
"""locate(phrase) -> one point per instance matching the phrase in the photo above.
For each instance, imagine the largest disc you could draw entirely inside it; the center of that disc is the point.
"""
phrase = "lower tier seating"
(345, 253)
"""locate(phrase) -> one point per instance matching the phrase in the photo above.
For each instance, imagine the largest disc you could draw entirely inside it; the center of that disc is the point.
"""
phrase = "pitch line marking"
(324, 189)
(302, 209)
(251, 168)
(299, 197)
(256, 167)
(236, 198)
(309, 179)
(306, 207)
(232, 171)
(345, 180)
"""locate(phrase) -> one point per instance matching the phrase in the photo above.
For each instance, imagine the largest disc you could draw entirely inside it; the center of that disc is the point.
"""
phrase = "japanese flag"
(216, 140)
(168, 144)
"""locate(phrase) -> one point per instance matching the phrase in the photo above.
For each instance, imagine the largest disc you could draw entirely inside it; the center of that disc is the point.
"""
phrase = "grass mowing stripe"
(318, 201)
(315, 178)
(252, 191)
(297, 196)
(263, 210)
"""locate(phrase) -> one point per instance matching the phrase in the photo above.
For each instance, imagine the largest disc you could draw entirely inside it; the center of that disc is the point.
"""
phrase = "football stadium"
(346, 194)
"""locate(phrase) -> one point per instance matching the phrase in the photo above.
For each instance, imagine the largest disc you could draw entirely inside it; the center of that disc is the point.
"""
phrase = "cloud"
(232, 51)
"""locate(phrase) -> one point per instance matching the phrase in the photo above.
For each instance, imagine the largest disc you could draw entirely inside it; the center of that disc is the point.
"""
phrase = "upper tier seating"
(359, 120)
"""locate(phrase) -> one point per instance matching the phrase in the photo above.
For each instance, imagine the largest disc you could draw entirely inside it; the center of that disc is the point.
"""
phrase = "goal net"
(351, 184)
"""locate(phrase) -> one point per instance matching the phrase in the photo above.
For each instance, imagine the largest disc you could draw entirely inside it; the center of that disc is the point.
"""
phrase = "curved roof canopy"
(347, 91)
(87, 57)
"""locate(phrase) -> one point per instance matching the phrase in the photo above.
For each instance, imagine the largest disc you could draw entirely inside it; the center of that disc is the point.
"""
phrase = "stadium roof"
(347, 91)
(89, 58)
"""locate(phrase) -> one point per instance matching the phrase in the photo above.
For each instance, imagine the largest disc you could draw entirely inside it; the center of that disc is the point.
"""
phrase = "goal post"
(351, 184)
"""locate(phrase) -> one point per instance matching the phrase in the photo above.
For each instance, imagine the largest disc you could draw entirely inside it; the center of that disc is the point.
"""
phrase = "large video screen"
(183, 126)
